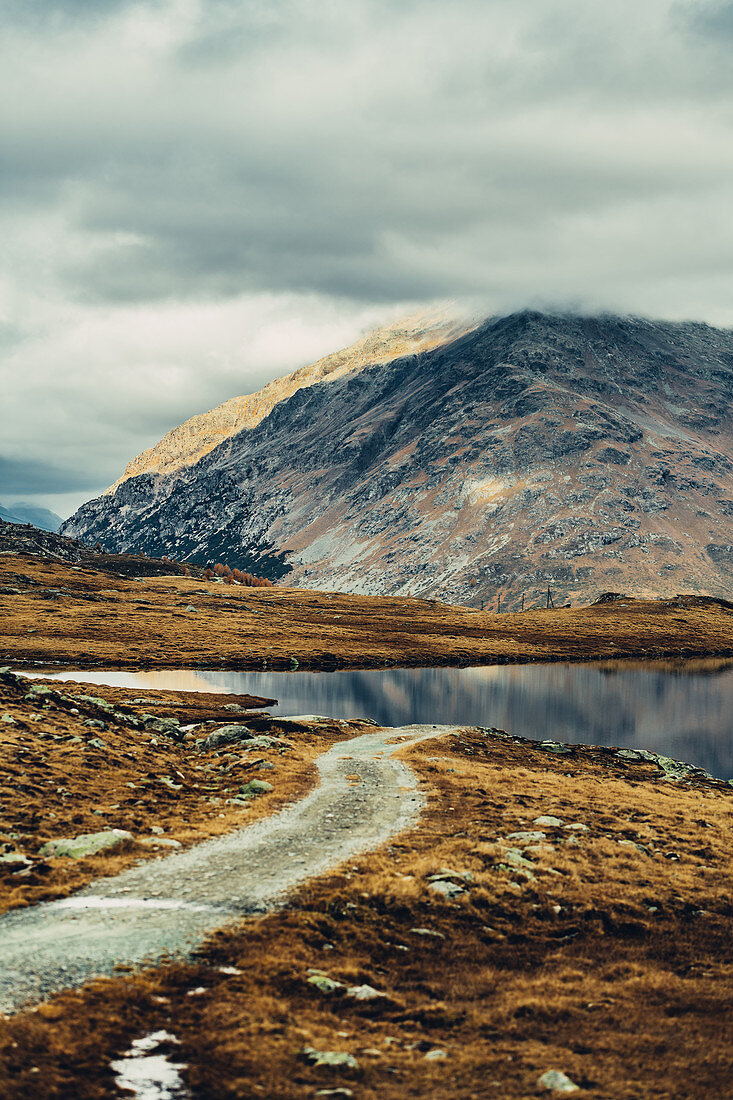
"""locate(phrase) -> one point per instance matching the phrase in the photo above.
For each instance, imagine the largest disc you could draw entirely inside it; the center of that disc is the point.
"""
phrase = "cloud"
(173, 166)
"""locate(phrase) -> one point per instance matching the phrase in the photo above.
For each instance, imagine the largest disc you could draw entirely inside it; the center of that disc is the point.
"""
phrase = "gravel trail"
(167, 906)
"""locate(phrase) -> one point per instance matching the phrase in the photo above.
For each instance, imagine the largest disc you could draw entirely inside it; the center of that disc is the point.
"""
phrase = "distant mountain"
(30, 513)
(529, 451)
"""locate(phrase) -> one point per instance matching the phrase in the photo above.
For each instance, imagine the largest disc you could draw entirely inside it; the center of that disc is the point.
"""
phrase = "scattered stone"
(324, 984)
(8, 719)
(436, 1055)
(517, 858)
(554, 747)
(96, 742)
(87, 844)
(550, 822)
(264, 741)
(364, 993)
(528, 837)
(191, 608)
(576, 827)
(157, 830)
(14, 861)
(427, 932)
(345, 1093)
(447, 889)
(254, 788)
(265, 766)
(158, 842)
(555, 1081)
(227, 735)
(95, 724)
(169, 726)
(334, 1059)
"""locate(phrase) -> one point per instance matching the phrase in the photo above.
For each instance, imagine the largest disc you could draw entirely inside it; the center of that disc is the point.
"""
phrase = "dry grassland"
(79, 616)
(609, 957)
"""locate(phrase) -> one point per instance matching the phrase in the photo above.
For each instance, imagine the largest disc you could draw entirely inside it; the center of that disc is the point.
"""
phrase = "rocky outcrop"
(583, 454)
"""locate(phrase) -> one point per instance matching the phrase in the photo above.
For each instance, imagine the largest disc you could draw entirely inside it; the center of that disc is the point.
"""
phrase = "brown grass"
(102, 620)
(612, 964)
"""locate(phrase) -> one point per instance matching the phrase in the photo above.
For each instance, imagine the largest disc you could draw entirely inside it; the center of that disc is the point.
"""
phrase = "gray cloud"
(177, 160)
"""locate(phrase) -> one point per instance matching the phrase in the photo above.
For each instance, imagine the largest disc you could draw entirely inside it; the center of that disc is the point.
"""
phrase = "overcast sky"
(200, 194)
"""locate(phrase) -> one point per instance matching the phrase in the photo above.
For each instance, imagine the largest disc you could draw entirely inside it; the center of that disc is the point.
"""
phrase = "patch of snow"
(150, 1076)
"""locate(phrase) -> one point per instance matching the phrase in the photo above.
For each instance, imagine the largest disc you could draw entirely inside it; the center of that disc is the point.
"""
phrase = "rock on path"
(167, 906)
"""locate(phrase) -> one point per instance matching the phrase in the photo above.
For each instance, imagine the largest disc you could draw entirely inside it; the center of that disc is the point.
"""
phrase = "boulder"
(86, 844)
(227, 735)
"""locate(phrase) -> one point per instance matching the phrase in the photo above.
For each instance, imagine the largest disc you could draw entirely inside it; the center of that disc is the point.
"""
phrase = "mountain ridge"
(583, 453)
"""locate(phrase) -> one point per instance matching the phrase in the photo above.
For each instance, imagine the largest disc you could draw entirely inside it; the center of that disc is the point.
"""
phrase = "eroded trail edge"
(167, 906)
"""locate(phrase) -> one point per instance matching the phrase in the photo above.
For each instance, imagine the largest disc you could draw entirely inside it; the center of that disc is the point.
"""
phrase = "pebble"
(335, 1059)
(555, 1081)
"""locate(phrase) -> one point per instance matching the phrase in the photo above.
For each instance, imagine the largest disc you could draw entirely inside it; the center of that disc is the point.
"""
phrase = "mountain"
(30, 513)
(579, 453)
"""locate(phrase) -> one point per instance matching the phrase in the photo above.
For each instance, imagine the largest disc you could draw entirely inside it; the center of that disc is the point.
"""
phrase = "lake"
(685, 711)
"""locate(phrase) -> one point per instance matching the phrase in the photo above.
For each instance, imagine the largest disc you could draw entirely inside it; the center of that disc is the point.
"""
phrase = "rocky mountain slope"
(583, 454)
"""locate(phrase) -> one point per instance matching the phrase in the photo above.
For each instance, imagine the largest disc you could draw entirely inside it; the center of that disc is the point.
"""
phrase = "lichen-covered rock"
(86, 844)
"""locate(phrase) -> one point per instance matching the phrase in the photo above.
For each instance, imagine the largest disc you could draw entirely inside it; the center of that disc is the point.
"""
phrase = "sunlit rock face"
(583, 454)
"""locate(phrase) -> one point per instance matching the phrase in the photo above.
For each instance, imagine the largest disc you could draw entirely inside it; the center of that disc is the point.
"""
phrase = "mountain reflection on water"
(685, 711)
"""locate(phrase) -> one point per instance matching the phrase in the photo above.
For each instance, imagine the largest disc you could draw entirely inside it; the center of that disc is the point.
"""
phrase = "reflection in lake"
(681, 713)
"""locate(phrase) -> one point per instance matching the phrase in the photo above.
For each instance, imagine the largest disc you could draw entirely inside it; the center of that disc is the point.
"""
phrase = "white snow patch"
(150, 1076)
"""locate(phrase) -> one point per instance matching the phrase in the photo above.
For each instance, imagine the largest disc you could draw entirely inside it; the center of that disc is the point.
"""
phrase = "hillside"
(583, 454)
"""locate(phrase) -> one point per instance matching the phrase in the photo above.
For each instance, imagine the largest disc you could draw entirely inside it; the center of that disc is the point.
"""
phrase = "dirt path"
(167, 906)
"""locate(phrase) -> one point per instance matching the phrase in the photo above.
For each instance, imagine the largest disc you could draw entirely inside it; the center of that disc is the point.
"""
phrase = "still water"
(685, 711)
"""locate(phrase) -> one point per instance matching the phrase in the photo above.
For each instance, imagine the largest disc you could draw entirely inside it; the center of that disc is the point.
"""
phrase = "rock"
(254, 788)
(14, 861)
(8, 719)
(436, 1055)
(448, 872)
(157, 830)
(345, 1093)
(427, 932)
(265, 766)
(158, 842)
(191, 608)
(334, 1059)
(227, 735)
(87, 844)
(517, 858)
(447, 889)
(324, 984)
(554, 747)
(555, 1081)
(577, 827)
(95, 724)
(527, 837)
(264, 741)
(549, 822)
(96, 743)
(364, 993)
(169, 726)
(232, 802)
